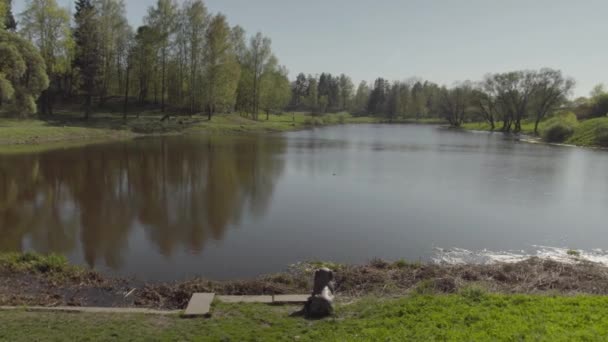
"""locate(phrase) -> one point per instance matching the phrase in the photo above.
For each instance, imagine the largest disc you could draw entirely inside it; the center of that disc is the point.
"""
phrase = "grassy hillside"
(592, 132)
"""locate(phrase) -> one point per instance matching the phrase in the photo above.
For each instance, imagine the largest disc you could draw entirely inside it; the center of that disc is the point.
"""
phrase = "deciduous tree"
(47, 25)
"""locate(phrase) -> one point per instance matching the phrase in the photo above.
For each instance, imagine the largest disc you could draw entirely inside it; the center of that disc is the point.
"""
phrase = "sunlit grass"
(472, 315)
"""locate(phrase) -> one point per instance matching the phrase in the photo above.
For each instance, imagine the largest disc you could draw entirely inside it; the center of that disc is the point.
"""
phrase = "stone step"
(199, 305)
(290, 299)
(245, 299)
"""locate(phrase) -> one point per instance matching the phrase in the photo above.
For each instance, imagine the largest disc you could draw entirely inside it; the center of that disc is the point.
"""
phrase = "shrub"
(557, 132)
(573, 252)
(602, 136)
(473, 293)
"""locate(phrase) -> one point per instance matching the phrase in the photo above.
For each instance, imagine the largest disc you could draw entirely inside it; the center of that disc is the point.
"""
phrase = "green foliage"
(573, 252)
(602, 136)
(222, 70)
(474, 294)
(7, 20)
(557, 132)
(425, 288)
(34, 262)
(559, 128)
(22, 74)
(3, 13)
(593, 132)
(600, 105)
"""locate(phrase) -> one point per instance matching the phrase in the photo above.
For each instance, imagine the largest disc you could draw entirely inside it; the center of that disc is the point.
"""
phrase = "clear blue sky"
(440, 40)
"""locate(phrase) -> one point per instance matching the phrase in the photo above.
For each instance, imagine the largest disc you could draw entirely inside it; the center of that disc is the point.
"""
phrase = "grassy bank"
(471, 315)
(587, 133)
(35, 280)
(68, 128)
(538, 300)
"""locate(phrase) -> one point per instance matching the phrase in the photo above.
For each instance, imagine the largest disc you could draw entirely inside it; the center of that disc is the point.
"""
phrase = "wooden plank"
(199, 305)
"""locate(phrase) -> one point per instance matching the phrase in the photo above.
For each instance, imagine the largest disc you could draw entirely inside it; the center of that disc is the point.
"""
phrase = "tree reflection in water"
(181, 191)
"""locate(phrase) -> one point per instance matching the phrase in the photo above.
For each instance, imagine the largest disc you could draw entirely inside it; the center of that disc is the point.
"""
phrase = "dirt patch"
(533, 276)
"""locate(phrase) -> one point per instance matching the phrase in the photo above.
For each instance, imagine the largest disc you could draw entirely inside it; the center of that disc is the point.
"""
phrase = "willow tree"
(47, 25)
(551, 91)
(221, 67)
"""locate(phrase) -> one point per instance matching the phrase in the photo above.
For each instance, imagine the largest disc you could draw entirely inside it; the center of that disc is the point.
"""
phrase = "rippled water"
(229, 207)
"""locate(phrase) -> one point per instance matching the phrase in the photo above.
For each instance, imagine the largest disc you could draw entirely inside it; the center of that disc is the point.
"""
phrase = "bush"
(602, 136)
(557, 132)
(600, 106)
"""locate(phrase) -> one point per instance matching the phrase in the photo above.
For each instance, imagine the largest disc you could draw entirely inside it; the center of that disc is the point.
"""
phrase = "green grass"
(589, 133)
(472, 315)
(67, 128)
(234, 123)
(527, 126)
(36, 131)
(34, 262)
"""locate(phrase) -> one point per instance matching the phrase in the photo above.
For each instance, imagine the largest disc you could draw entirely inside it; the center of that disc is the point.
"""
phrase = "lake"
(171, 208)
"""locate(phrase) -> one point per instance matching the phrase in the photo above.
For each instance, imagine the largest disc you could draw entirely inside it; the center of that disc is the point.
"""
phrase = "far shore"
(67, 129)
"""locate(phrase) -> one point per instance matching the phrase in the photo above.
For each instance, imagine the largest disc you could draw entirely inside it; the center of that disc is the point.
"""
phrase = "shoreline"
(67, 130)
(588, 134)
(49, 281)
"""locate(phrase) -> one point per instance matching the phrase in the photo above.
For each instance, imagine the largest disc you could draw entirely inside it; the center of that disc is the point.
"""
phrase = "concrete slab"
(199, 305)
(290, 299)
(245, 299)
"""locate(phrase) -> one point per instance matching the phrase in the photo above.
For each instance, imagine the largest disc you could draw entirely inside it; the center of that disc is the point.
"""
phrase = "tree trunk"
(126, 103)
(162, 87)
(87, 107)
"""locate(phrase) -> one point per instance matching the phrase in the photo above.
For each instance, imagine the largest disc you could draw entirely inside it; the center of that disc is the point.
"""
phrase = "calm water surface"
(230, 207)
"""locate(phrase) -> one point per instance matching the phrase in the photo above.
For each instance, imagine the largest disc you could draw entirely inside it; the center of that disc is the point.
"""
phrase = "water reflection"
(180, 192)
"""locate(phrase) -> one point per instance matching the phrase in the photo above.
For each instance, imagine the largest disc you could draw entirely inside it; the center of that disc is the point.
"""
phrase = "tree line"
(187, 60)
(182, 58)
